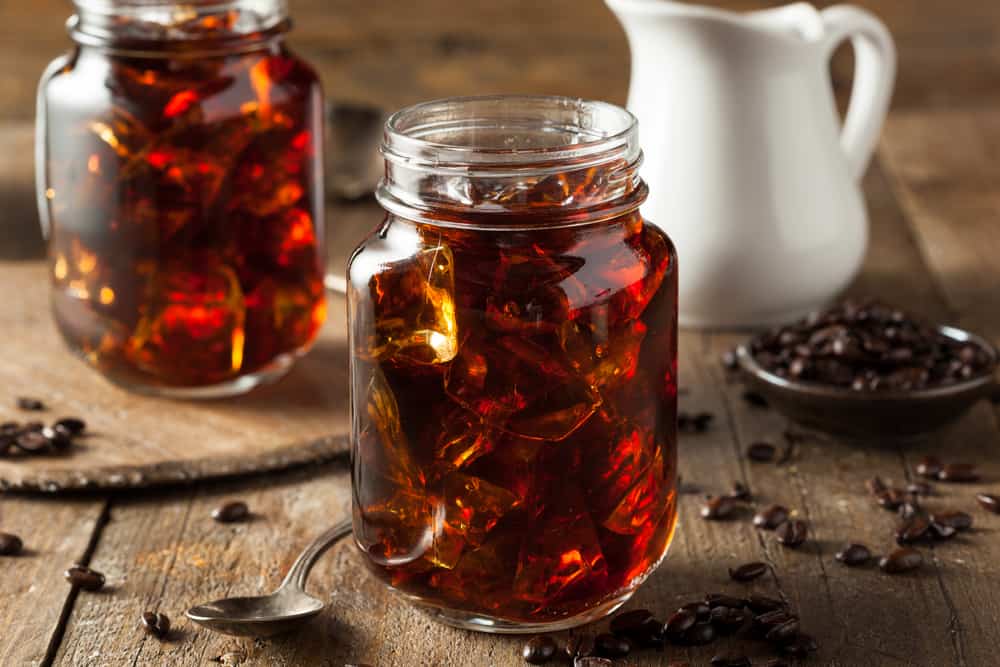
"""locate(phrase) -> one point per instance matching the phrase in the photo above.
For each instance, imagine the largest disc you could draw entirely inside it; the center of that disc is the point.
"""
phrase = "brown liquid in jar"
(184, 192)
(516, 455)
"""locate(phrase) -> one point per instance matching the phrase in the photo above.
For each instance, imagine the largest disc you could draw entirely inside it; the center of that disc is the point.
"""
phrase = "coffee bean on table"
(719, 507)
(891, 499)
(700, 634)
(10, 545)
(580, 646)
(761, 452)
(783, 632)
(762, 604)
(919, 489)
(913, 529)
(792, 533)
(989, 502)
(854, 555)
(740, 492)
(902, 560)
(771, 517)
(230, 512)
(156, 624)
(629, 622)
(955, 519)
(679, 623)
(74, 425)
(940, 531)
(30, 404)
(714, 600)
(33, 442)
(958, 472)
(730, 660)
(748, 571)
(539, 650)
(59, 438)
(610, 646)
(700, 609)
(728, 619)
(929, 467)
(703, 420)
(83, 577)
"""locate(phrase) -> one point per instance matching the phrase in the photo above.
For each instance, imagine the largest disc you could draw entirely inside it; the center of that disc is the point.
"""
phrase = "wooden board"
(138, 441)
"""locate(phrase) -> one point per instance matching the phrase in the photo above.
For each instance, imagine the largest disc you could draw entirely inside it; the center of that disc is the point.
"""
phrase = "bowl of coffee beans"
(866, 369)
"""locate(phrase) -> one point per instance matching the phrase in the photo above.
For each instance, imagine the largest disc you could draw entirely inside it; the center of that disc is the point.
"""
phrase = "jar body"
(514, 416)
(183, 195)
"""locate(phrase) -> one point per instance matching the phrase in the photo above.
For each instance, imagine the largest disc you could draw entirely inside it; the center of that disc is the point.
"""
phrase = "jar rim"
(506, 133)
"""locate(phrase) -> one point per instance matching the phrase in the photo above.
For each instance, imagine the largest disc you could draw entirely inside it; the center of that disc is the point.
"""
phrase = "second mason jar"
(513, 337)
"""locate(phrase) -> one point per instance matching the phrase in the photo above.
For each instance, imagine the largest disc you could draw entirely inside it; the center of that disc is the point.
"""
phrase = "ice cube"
(463, 438)
(525, 296)
(644, 503)
(398, 530)
(521, 387)
(474, 505)
(606, 355)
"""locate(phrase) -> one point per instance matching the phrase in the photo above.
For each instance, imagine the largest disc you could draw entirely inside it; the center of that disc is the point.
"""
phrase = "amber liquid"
(185, 198)
(515, 406)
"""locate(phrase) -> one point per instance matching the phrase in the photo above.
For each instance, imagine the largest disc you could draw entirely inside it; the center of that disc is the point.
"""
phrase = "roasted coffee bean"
(913, 529)
(748, 571)
(730, 660)
(920, 489)
(957, 520)
(702, 421)
(783, 632)
(719, 507)
(59, 438)
(929, 467)
(628, 623)
(762, 604)
(891, 499)
(610, 646)
(33, 442)
(958, 472)
(700, 609)
(792, 533)
(714, 600)
(700, 634)
(10, 545)
(876, 486)
(854, 555)
(156, 624)
(539, 650)
(85, 578)
(904, 559)
(740, 492)
(728, 619)
(592, 661)
(754, 399)
(29, 427)
(73, 425)
(762, 452)
(235, 510)
(801, 647)
(772, 618)
(940, 531)
(989, 502)
(30, 404)
(580, 646)
(10, 427)
(679, 623)
(771, 517)
(910, 509)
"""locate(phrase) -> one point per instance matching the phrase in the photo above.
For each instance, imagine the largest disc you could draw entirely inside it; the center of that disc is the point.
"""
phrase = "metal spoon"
(282, 610)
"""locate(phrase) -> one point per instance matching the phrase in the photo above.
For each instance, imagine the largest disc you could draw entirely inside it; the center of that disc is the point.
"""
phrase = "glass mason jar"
(180, 186)
(513, 369)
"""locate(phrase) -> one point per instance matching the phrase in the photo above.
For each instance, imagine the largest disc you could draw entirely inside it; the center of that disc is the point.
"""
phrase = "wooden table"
(934, 203)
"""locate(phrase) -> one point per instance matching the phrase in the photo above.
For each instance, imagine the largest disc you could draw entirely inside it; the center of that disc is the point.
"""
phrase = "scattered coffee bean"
(580, 646)
(740, 492)
(592, 661)
(748, 571)
(957, 520)
(728, 619)
(771, 517)
(698, 423)
(610, 646)
(904, 559)
(701, 610)
(792, 533)
(940, 531)
(539, 650)
(235, 510)
(891, 499)
(628, 623)
(762, 604)
(754, 399)
(10, 545)
(679, 623)
(33, 442)
(730, 660)
(989, 502)
(913, 529)
(30, 404)
(801, 647)
(156, 624)
(958, 472)
(74, 425)
(700, 634)
(719, 507)
(714, 600)
(920, 489)
(929, 467)
(761, 452)
(85, 578)
(783, 632)
(59, 438)
(854, 555)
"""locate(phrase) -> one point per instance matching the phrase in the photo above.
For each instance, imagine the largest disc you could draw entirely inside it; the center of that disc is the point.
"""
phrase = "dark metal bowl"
(871, 414)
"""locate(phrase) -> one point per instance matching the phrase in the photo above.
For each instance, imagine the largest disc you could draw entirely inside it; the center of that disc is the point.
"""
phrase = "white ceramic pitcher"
(749, 169)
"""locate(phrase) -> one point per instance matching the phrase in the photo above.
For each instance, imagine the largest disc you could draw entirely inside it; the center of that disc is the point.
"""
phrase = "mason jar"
(513, 371)
(180, 188)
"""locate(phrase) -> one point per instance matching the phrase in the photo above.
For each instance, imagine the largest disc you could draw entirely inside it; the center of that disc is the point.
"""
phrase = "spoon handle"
(299, 571)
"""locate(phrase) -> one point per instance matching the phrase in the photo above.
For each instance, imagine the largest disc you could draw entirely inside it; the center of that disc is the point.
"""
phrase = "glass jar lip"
(601, 130)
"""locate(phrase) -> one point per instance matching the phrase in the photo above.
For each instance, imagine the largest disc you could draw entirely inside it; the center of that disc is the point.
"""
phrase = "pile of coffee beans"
(697, 623)
(869, 347)
(34, 438)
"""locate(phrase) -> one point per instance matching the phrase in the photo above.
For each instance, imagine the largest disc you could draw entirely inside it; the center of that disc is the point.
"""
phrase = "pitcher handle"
(874, 77)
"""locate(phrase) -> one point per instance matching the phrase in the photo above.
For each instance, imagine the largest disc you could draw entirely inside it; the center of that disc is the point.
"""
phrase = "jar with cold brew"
(179, 180)
(513, 338)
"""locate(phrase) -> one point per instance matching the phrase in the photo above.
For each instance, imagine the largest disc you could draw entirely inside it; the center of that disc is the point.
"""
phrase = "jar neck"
(511, 162)
(195, 28)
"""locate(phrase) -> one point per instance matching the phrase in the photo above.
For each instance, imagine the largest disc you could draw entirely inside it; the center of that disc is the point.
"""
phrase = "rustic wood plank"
(32, 588)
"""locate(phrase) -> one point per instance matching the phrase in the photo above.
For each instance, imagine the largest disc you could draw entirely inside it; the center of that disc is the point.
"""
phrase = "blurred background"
(391, 53)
